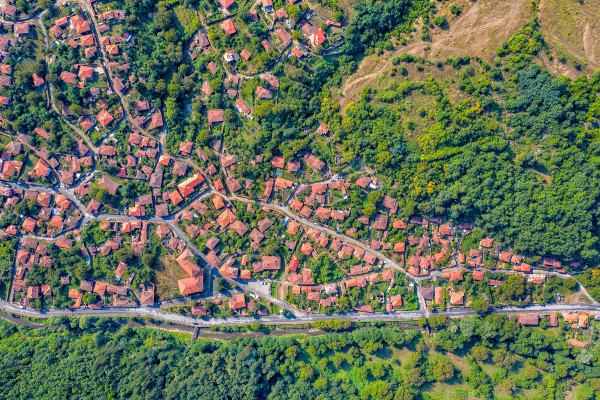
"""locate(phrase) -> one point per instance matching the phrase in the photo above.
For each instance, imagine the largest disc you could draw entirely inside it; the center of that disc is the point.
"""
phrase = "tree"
(403, 393)
(508, 386)
(89, 298)
(443, 370)
(480, 305)
(480, 353)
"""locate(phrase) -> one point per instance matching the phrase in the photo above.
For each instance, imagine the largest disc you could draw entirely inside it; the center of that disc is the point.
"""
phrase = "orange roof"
(187, 187)
(238, 301)
(37, 80)
(191, 285)
(175, 197)
(104, 118)
(228, 26)
(29, 224)
(457, 298)
(226, 218)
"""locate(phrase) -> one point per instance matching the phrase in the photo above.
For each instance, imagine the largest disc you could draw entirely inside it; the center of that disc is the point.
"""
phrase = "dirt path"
(478, 31)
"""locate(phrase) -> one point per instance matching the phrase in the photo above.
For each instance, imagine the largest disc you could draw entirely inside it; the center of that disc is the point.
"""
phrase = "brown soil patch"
(477, 31)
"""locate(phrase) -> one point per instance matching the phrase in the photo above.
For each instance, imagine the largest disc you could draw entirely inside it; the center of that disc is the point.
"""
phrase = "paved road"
(280, 319)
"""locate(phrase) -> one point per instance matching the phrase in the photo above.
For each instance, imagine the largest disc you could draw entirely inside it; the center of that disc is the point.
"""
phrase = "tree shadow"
(384, 353)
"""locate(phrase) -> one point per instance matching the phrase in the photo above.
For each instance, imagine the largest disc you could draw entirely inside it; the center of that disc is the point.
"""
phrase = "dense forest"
(484, 357)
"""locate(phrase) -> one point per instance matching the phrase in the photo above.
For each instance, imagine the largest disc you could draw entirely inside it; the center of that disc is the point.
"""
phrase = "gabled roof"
(191, 285)
(215, 116)
(68, 77)
(263, 93)
(108, 184)
(226, 3)
(228, 26)
(104, 118)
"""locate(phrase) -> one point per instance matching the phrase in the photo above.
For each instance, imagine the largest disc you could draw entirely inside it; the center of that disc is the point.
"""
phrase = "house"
(298, 52)
(104, 118)
(578, 343)
(225, 218)
(267, 5)
(228, 26)
(317, 38)
(13, 168)
(188, 186)
(90, 52)
(231, 57)
(396, 301)
(486, 242)
(273, 81)
(528, 319)
(87, 41)
(80, 24)
(86, 286)
(453, 275)
(522, 268)
(41, 132)
(68, 77)
(400, 247)
(37, 80)
(263, 93)
(212, 67)
(427, 292)
(5, 81)
(8, 10)
(141, 106)
(283, 35)
(215, 116)
(107, 150)
(281, 13)
(191, 285)
(314, 162)
(439, 295)
(322, 129)
(457, 298)
(120, 271)
(226, 4)
(245, 54)
(156, 121)
(106, 183)
(21, 29)
(147, 298)
(242, 107)
(199, 311)
(478, 275)
(237, 301)
(85, 72)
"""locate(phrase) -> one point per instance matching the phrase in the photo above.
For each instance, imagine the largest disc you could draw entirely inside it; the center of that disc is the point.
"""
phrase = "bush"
(441, 22)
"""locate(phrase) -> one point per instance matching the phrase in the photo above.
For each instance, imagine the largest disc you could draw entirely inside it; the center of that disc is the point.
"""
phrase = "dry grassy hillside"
(572, 30)
(481, 27)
